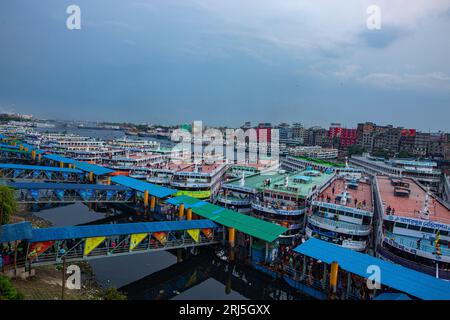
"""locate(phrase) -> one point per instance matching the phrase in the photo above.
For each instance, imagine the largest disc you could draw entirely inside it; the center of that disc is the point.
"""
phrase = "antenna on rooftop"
(425, 213)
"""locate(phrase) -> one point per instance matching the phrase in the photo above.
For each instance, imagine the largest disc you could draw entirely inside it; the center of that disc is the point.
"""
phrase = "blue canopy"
(41, 168)
(105, 230)
(392, 296)
(96, 169)
(65, 186)
(409, 281)
(58, 158)
(142, 186)
(16, 231)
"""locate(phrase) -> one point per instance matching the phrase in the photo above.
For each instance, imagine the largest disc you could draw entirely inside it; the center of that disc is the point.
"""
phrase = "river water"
(157, 275)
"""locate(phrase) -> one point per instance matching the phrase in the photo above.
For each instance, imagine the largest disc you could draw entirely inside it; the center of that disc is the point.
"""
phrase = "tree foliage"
(112, 294)
(7, 291)
(8, 205)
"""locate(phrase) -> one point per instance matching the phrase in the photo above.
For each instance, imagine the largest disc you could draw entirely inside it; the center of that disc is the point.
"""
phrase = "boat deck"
(363, 193)
(411, 206)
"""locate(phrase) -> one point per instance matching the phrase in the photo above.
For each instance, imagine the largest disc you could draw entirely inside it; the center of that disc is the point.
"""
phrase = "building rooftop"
(363, 193)
(411, 206)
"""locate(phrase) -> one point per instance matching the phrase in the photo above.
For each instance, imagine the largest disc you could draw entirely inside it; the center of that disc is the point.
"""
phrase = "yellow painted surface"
(204, 194)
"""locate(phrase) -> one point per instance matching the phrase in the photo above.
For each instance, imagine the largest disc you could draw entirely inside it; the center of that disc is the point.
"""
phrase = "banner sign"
(161, 237)
(38, 248)
(208, 233)
(195, 234)
(92, 243)
(418, 223)
(136, 239)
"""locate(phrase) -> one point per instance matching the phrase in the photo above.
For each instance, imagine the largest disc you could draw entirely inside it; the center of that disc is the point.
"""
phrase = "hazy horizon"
(227, 62)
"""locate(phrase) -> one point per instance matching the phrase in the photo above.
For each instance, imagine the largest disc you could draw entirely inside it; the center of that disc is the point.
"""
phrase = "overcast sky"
(228, 61)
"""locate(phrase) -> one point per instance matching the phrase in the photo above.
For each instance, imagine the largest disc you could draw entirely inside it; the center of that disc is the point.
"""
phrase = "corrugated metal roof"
(58, 158)
(15, 151)
(397, 277)
(96, 169)
(255, 227)
(38, 168)
(2, 145)
(392, 296)
(77, 232)
(142, 186)
(65, 186)
(16, 231)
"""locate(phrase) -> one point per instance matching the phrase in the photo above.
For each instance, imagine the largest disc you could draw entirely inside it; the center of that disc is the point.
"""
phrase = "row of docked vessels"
(317, 203)
(369, 209)
(395, 218)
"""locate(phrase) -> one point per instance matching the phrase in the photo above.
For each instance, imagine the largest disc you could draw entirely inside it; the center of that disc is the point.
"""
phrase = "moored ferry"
(278, 197)
(343, 214)
(414, 226)
(198, 180)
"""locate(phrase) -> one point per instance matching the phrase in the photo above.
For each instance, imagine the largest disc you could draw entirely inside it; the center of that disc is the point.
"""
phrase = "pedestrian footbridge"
(33, 246)
(39, 192)
(20, 172)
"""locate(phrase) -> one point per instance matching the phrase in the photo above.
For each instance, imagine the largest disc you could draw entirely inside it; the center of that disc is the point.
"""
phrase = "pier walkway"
(40, 173)
(41, 192)
(75, 243)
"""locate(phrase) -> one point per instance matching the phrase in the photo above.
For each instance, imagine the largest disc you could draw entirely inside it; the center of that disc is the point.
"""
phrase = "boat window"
(413, 227)
(427, 230)
(401, 225)
(443, 233)
(357, 216)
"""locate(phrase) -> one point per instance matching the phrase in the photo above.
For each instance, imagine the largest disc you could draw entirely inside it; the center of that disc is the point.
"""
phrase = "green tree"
(7, 291)
(354, 149)
(8, 205)
(112, 294)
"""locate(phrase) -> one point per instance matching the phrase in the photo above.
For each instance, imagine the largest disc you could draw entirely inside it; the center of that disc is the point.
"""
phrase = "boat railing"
(357, 228)
(410, 242)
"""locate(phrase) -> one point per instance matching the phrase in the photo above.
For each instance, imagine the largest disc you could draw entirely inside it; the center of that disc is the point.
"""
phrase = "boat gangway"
(45, 246)
(22, 172)
(43, 192)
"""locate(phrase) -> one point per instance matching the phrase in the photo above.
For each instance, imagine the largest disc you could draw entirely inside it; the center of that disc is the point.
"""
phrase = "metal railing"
(77, 253)
(345, 227)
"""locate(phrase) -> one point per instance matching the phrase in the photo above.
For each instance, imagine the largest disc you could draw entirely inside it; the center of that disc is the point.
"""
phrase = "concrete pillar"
(91, 176)
(189, 214)
(33, 155)
(21, 147)
(39, 157)
(61, 164)
(181, 211)
(108, 180)
(146, 198)
(152, 203)
(334, 275)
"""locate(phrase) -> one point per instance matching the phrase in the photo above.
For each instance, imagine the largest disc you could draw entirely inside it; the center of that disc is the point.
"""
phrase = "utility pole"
(63, 284)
